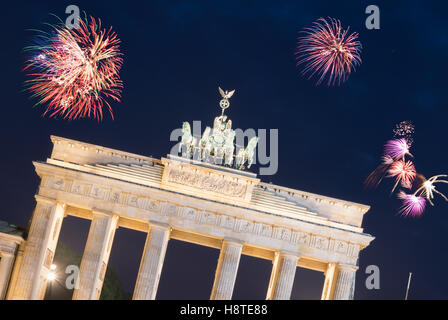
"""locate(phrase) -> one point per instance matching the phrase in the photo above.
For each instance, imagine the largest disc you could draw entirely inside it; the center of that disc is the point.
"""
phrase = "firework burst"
(427, 188)
(76, 71)
(405, 129)
(394, 164)
(403, 172)
(412, 205)
(397, 149)
(327, 50)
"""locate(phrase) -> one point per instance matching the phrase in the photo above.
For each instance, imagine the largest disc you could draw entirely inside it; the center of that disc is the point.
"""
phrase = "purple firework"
(412, 205)
(396, 149)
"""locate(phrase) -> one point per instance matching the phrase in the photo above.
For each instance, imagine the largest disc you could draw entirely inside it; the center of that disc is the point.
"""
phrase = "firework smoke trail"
(76, 71)
(412, 205)
(377, 175)
(403, 172)
(327, 49)
(405, 129)
(397, 149)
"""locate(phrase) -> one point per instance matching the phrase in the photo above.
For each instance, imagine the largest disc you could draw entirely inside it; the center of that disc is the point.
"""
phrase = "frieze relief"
(301, 238)
(98, 193)
(208, 218)
(154, 206)
(282, 234)
(115, 196)
(205, 217)
(136, 201)
(79, 188)
(207, 182)
(263, 230)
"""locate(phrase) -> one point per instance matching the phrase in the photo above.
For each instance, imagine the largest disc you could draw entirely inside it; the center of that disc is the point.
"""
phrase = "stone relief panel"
(57, 183)
(115, 196)
(319, 242)
(79, 188)
(170, 209)
(244, 226)
(227, 222)
(339, 246)
(154, 206)
(262, 229)
(136, 201)
(188, 213)
(206, 217)
(282, 234)
(98, 193)
(207, 182)
(301, 238)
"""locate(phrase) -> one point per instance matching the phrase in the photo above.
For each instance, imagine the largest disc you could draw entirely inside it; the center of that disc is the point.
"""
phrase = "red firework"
(76, 71)
(403, 172)
(328, 50)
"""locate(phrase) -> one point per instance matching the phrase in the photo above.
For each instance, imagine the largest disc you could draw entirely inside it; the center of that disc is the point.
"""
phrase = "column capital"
(42, 199)
(100, 212)
(51, 201)
(159, 225)
(330, 266)
(347, 267)
(233, 241)
(288, 254)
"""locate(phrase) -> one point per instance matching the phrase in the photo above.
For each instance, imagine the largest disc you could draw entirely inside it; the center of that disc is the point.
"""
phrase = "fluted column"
(6, 262)
(96, 256)
(225, 276)
(39, 249)
(331, 274)
(345, 284)
(15, 271)
(282, 276)
(152, 262)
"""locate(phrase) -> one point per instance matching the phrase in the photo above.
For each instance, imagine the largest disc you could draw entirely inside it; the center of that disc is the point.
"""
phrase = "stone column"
(331, 274)
(345, 284)
(15, 271)
(39, 249)
(282, 276)
(152, 262)
(225, 276)
(96, 256)
(6, 262)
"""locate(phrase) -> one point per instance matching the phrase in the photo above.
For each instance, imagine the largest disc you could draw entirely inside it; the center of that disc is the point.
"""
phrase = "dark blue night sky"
(176, 53)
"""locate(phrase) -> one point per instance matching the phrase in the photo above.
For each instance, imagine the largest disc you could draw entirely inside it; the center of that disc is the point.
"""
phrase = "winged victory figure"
(226, 94)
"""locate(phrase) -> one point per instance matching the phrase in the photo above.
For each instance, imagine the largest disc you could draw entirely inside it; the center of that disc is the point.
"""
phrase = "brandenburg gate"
(189, 200)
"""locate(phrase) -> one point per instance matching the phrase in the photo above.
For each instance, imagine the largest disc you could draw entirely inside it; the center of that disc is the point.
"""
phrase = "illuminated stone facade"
(175, 198)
